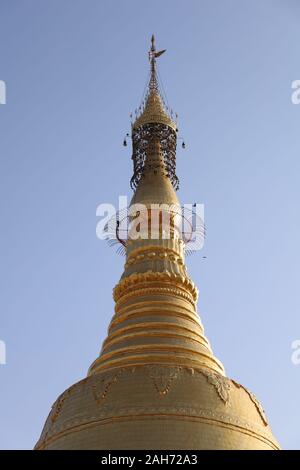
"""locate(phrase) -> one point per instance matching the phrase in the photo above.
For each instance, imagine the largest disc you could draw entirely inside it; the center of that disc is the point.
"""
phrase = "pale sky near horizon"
(74, 70)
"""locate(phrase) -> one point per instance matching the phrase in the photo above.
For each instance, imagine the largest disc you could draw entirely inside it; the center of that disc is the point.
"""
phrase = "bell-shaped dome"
(157, 407)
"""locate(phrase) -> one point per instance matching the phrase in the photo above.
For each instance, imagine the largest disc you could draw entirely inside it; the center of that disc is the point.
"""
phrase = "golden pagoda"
(156, 383)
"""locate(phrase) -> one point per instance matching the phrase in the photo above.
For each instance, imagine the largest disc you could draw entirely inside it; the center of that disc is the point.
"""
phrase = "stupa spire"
(155, 290)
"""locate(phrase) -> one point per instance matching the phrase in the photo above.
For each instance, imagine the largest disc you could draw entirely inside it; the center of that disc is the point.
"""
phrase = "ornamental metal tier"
(154, 120)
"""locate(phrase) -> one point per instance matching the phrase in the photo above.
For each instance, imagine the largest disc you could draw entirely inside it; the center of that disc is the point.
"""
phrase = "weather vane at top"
(153, 54)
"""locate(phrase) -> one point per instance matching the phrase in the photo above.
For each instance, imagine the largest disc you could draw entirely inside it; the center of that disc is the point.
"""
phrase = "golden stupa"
(156, 383)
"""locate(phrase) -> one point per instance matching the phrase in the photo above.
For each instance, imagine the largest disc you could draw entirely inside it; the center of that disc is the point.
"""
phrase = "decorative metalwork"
(142, 138)
(154, 122)
(190, 228)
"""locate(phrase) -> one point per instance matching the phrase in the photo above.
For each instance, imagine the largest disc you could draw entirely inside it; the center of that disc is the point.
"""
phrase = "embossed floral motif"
(136, 281)
(100, 388)
(158, 254)
(163, 376)
(61, 400)
(256, 402)
(258, 407)
(58, 406)
(222, 385)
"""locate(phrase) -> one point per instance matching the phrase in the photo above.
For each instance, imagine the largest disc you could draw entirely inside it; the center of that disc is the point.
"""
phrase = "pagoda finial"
(153, 54)
(155, 120)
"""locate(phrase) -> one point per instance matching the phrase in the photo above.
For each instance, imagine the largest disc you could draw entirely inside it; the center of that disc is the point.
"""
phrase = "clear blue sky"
(74, 70)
